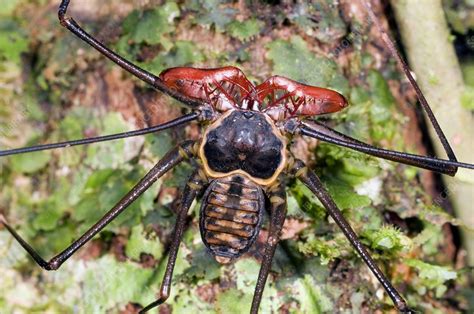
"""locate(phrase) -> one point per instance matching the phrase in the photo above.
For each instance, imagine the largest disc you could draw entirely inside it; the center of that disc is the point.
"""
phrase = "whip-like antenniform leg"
(173, 123)
(315, 185)
(326, 134)
(194, 186)
(329, 135)
(142, 74)
(277, 198)
(403, 65)
(170, 160)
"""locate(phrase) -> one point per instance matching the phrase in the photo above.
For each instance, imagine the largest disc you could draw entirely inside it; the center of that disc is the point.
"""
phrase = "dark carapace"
(241, 152)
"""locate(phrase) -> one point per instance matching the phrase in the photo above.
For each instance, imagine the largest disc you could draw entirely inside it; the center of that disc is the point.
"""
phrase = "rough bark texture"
(53, 87)
(438, 71)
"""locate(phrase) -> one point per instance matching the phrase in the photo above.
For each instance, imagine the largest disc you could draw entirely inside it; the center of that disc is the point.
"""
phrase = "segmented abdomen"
(231, 215)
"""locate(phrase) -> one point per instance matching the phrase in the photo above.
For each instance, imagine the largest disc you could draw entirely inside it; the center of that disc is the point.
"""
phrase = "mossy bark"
(428, 43)
(75, 92)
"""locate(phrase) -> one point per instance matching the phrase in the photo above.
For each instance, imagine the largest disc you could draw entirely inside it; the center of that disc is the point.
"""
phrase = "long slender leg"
(277, 198)
(164, 165)
(315, 185)
(328, 135)
(403, 65)
(195, 184)
(151, 79)
(173, 123)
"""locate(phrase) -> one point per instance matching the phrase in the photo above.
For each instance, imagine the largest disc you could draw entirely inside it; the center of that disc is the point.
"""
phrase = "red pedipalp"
(228, 87)
(310, 100)
(203, 83)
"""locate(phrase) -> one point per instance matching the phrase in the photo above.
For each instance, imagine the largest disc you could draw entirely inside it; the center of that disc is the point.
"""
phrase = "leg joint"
(164, 295)
(53, 264)
(186, 150)
(298, 168)
(62, 11)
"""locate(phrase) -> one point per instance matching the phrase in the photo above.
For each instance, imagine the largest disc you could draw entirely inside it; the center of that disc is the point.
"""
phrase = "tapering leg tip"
(153, 305)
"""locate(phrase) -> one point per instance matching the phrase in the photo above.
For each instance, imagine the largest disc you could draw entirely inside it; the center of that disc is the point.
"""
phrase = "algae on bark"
(68, 91)
(428, 42)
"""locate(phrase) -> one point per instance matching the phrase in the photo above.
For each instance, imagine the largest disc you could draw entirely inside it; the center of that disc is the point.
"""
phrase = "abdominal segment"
(231, 215)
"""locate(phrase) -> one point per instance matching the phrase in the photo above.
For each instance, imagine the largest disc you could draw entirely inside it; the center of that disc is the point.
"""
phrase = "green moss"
(149, 27)
(429, 239)
(109, 284)
(212, 13)
(233, 302)
(382, 108)
(247, 271)
(459, 15)
(182, 53)
(388, 239)
(13, 42)
(467, 99)
(244, 30)
(467, 68)
(327, 250)
(431, 277)
(30, 163)
(307, 202)
(140, 243)
(294, 60)
(52, 200)
(320, 19)
(311, 296)
(47, 220)
(8, 6)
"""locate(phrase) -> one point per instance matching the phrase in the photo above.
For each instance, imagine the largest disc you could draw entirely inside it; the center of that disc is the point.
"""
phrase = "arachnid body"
(243, 161)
